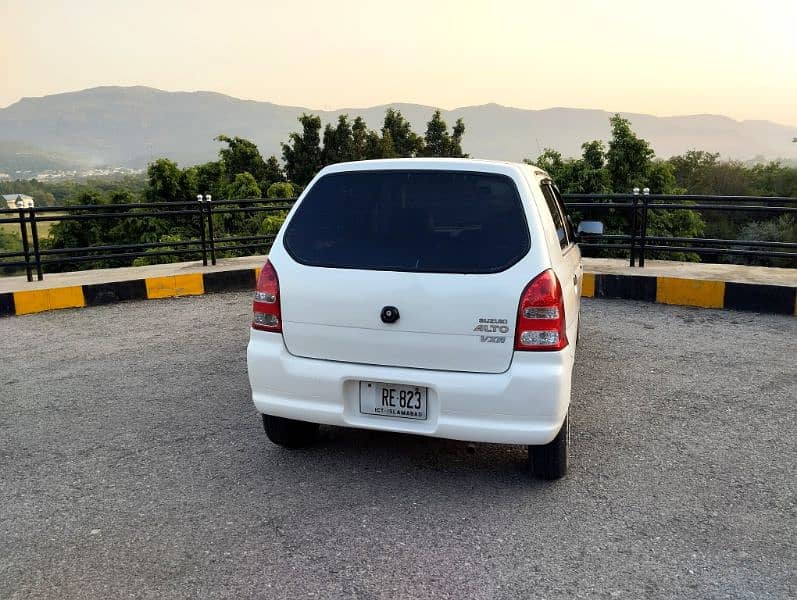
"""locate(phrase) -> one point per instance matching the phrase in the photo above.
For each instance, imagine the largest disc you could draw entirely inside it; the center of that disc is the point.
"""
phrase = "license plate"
(393, 400)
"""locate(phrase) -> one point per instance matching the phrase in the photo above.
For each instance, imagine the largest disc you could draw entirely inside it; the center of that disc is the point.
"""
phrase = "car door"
(567, 262)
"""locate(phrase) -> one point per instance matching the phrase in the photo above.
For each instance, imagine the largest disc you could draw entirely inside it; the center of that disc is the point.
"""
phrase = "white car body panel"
(333, 337)
(334, 314)
(524, 405)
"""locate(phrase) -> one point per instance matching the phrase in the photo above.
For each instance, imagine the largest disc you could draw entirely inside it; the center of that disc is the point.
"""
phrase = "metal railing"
(639, 244)
(196, 216)
(211, 238)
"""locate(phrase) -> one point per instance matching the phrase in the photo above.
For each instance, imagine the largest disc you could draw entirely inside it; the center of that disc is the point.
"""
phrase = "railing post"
(34, 232)
(208, 201)
(645, 200)
(634, 225)
(203, 243)
(23, 230)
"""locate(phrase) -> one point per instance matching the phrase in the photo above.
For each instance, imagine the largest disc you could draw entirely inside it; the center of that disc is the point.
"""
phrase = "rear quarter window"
(417, 221)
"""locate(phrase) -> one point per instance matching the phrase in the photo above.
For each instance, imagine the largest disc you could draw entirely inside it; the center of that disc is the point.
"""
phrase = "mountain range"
(130, 126)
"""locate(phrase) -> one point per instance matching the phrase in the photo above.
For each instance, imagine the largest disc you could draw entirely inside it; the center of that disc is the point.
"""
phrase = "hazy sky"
(664, 57)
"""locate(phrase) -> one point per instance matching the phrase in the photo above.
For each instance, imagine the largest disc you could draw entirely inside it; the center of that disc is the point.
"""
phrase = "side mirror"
(589, 229)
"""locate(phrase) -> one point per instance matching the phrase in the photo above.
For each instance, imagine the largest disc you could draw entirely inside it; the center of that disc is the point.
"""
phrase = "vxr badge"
(492, 326)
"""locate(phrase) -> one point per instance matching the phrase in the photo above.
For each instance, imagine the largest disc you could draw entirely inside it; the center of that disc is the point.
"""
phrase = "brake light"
(267, 315)
(541, 315)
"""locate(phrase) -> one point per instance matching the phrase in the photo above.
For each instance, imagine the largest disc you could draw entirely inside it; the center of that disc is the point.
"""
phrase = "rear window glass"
(419, 221)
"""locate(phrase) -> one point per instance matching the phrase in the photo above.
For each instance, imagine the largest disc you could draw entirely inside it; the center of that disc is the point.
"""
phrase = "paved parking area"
(133, 465)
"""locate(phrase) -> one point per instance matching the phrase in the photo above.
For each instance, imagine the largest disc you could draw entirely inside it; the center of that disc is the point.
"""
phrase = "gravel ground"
(134, 465)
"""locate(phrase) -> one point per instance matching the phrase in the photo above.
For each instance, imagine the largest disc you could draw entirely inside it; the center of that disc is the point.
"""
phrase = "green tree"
(551, 162)
(271, 224)
(661, 179)
(727, 178)
(594, 154)
(587, 175)
(163, 178)
(156, 256)
(773, 179)
(338, 142)
(211, 179)
(628, 163)
(239, 223)
(302, 153)
(83, 233)
(189, 183)
(274, 173)
(9, 243)
(628, 158)
(359, 131)
(405, 142)
(692, 170)
(779, 229)
(438, 142)
(241, 156)
(377, 146)
(387, 148)
(281, 189)
(243, 186)
(167, 183)
(455, 148)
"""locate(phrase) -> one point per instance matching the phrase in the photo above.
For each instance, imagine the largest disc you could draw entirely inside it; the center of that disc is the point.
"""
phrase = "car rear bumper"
(524, 405)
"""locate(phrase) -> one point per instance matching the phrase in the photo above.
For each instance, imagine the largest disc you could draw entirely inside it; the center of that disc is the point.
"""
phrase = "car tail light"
(541, 315)
(266, 306)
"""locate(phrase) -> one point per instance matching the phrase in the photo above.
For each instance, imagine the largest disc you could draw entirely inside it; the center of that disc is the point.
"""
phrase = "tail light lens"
(541, 315)
(267, 315)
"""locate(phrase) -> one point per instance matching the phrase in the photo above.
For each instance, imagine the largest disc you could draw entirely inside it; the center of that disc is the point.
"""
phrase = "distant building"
(11, 200)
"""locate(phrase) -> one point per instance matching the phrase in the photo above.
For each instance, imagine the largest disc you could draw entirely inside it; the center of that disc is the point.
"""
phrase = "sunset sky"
(737, 58)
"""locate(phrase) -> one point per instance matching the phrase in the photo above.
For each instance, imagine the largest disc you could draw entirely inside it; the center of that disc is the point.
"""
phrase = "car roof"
(454, 164)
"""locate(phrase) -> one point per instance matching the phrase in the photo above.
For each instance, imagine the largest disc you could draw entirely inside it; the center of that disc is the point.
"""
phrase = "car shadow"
(354, 456)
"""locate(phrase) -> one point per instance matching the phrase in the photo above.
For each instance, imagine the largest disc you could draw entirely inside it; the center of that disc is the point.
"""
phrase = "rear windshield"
(419, 221)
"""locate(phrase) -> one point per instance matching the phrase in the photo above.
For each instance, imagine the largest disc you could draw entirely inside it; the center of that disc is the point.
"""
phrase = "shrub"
(780, 229)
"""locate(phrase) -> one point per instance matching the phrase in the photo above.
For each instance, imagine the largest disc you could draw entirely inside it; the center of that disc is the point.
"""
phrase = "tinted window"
(561, 204)
(424, 221)
(557, 215)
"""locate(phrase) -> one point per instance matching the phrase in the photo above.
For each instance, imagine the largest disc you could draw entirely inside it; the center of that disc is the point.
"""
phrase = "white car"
(437, 297)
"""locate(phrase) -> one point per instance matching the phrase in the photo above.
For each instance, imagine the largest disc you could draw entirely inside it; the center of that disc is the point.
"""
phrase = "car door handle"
(575, 279)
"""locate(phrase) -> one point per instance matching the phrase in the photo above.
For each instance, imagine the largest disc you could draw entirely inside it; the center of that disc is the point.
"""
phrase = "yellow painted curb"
(34, 301)
(588, 285)
(175, 285)
(190, 284)
(690, 292)
(160, 287)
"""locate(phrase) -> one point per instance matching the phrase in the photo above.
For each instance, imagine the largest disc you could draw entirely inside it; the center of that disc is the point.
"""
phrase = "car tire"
(550, 460)
(290, 433)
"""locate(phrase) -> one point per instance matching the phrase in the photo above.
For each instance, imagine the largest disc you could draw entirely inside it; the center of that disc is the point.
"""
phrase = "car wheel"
(550, 461)
(290, 433)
